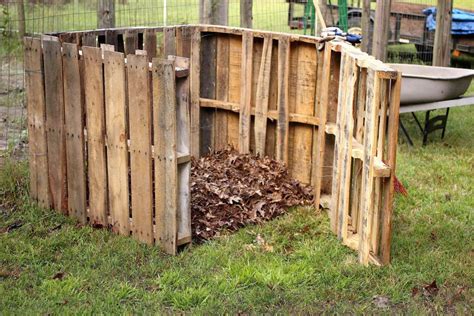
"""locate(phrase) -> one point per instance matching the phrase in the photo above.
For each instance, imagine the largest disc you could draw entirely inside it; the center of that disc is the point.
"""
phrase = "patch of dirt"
(230, 190)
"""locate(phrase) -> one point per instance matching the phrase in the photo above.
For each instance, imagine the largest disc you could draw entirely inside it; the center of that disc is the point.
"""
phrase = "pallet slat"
(164, 111)
(74, 128)
(116, 129)
(245, 93)
(283, 111)
(95, 122)
(263, 96)
(35, 100)
(56, 140)
(140, 147)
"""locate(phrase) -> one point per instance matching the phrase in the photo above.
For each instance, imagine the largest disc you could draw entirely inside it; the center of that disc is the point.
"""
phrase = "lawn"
(49, 264)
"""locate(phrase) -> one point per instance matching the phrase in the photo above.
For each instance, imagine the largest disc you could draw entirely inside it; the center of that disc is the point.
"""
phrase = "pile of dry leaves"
(230, 190)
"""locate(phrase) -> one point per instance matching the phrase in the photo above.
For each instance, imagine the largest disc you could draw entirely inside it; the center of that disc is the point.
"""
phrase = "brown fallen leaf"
(230, 191)
(59, 276)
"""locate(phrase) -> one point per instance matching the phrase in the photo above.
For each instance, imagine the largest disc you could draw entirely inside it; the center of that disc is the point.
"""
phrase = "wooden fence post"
(106, 14)
(442, 44)
(246, 15)
(214, 12)
(21, 19)
(366, 26)
(381, 29)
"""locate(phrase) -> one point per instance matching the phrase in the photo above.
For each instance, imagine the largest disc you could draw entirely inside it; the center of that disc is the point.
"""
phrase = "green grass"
(308, 271)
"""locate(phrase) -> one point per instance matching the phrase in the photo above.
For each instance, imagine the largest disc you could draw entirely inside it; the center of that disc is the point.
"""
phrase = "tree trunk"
(214, 12)
(442, 44)
(246, 15)
(106, 14)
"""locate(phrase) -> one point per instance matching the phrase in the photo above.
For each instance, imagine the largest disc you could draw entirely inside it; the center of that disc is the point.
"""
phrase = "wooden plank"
(325, 82)
(150, 44)
(370, 148)
(183, 150)
(283, 110)
(358, 136)
(235, 69)
(117, 153)
(183, 41)
(89, 39)
(305, 100)
(164, 121)
(317, 109)
(222, 91)
(339, 145)
(208, 90)
(131, 42)
(55, 124)
(140, 120)
(245, 92)
(263, 96)
(195, 85)
(388, 189)
(442, 41)
(381, 30)
(346, 152)
(170, 41)
(74, 127)
(35, 99)
(95, 121)
(270, 145)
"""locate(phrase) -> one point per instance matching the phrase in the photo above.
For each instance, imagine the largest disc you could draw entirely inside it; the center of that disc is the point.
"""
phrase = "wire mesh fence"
(412, 41)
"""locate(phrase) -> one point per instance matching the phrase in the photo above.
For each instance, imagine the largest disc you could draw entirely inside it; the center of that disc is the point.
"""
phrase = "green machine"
(307, 21)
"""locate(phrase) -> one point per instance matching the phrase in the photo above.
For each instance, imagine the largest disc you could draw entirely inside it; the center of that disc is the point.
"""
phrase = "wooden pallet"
(330, 112)
(116, 148)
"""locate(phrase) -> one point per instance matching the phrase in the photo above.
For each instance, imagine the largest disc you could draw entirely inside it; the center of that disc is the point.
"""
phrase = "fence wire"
(408, 33)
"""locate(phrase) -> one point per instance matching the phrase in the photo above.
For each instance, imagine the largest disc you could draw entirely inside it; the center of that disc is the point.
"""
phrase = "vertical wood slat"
(131, 42)
(358, 135)
(95, 122)
(304, 82)
(183, 148)
(338, 145)
(235, 70)
(183, 41)
(380, 143)
(346, 150)
(195, 78)
(150, 43)
(370, 148)
(208, 90)
(245, 92)
(140, 147)
(317, 109)
(324, 102)
(283, 110)
(74, 128)
(170, 41)
(263, 96)
(164, 102)
(117, 152)
(55, 124)
(388, 189)
(222, 91)
(35, 98)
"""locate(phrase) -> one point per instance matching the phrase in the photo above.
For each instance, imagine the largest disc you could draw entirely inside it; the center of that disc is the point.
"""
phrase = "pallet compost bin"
(116, 114)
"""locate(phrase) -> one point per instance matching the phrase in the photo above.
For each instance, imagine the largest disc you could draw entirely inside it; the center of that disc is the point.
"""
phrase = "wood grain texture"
(305, 81)
(370, 148)
(170, 41)
(323, 105)
(195, 79)
(222, 91)
(140, 122)
(117, 152)
(131, 42)
(74, 128)
(150, 43)
(208, 90)
(54, 99)
(35, 100)
(164, 121)
(283, 107)
(95, 122)
(263, 96)
(235, 69)
(245, 92)
(388, 189)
